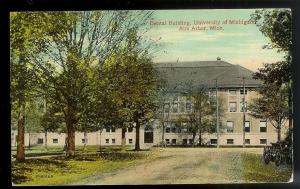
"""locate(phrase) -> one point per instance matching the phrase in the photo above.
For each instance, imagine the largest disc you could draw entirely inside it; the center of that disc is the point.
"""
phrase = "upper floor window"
(242, 91)
(113, 129)
(130, 129)
(232, 92)
(188, 107)
(229, 127)
(107, 129)
(242, 106)
(263, 126)
(247, 126)
(232, 106)
(167, 107)
(175, 108)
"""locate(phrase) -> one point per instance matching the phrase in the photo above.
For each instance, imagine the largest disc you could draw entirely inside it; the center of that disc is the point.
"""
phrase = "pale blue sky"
(236, 44)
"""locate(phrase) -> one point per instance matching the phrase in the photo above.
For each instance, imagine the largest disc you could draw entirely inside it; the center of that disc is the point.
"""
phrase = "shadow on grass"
(20, 171)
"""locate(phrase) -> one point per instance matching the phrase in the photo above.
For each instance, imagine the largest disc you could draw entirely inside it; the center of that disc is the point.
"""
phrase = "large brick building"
(229, 80)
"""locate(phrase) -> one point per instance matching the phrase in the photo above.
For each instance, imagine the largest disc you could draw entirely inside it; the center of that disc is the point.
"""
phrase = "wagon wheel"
(278, 158)
(266, 156)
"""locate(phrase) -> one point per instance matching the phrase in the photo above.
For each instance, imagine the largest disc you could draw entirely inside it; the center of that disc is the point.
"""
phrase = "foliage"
(255, 170)
(271, 105)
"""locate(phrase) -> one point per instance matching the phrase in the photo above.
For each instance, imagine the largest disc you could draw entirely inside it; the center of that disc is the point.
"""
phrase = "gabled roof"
(195, 74)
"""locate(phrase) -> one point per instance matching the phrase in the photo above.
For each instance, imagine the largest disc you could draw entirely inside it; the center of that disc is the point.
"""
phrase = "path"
(179, 166)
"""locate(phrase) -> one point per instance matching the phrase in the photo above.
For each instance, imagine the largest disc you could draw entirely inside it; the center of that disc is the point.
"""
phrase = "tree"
(131, 82)
(69, 48)
(23, 32)
(276, 24)
(271, 105)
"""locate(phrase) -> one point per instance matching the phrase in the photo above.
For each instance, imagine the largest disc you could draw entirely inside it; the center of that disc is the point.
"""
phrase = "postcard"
(135, 97)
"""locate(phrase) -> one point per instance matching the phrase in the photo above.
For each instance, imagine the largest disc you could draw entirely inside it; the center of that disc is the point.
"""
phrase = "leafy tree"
(23, 34)
(271, 105)
(70, 47)
(131, 84)
(276, 24)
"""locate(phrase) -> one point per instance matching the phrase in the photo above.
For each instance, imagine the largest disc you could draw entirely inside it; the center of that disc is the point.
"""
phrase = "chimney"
(218, 58)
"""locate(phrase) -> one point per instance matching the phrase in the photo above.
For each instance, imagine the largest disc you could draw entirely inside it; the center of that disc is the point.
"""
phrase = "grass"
(255, 170)
(60, 171)
(39, 150)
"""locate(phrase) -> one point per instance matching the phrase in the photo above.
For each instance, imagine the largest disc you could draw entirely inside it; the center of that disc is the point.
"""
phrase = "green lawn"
(255, 170)
(59, 171)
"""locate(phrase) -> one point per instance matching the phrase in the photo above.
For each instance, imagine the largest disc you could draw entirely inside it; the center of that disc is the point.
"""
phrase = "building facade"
(227, 82)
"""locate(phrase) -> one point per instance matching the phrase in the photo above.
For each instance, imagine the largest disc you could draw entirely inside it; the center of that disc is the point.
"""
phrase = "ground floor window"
(83, 141)
(230, 141)
(167, 141)
(190, 141)
(213, 141)
(40, 141)
(130, 141)
(184, 141)
(173, 141)
(107, 141)
(247, 141)
(263, 141)
(148, 134)
(55, 141)
(113, 141)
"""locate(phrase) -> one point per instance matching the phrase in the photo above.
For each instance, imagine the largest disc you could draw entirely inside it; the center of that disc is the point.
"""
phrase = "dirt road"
(180, 166)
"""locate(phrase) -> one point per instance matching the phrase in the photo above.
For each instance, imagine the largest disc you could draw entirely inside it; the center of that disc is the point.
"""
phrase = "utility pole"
(244, 112)
(217, 115)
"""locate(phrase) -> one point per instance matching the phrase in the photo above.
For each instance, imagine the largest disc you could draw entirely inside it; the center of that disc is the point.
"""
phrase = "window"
(167, 141)
(130, 141)
(184, 127)
(168, 127)
(113, 141)
(181, 107)
(188, 107)
(263, 126)
(229, 127)
(113, 129)
(229, 141)
(213, 141)
(40, 141)
(173, 141)
(83, 141)
(175, 108)
(173, 127)
(263, 141)
(242, 92)
(247, 141)
(184, 141)
(107, 129)
(247, 126)
(107, 141)
(167, 107)
(190, 141)
(55, 141)
(148, 134)
(232, 92)
(242, 106)
(130, 129)
(232, 106)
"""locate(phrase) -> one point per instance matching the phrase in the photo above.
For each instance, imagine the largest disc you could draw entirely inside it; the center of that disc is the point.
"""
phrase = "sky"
(235, 43)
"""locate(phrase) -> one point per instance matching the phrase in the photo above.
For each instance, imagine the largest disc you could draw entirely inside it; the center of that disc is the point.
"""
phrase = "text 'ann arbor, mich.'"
(200, 25)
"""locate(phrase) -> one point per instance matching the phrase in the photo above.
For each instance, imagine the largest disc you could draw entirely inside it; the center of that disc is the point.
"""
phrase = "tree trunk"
(200, 137)
(85, 139)
(123, 139)
(46, 140)
(29, 141)
(21, 131)
(278, 134)
(163, 134)
(70, 140)
(137, 136)
(194, 136)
